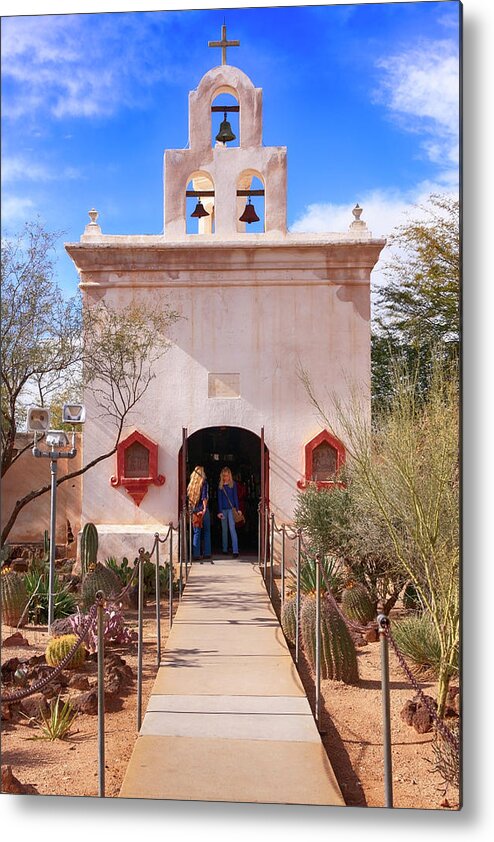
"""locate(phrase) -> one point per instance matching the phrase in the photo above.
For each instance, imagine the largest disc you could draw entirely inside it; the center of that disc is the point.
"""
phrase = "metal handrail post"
(140, 639)
(170, 581)
(271, 559)
(266, 542)
(318, 639)
(158, 600)
(101, 693)
(180, 555)
(383, 626)
(259, 535)
(297, 598)
(53, 542)
(282, 565)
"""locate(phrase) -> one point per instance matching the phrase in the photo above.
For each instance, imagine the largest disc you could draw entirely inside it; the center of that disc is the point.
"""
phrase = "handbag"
(237, 516)
(197, 519)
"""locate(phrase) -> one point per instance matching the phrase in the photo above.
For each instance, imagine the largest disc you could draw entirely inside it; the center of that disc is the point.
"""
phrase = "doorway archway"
(240, 450)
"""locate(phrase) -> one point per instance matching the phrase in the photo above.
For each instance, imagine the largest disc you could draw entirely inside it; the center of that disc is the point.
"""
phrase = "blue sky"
(364, 96)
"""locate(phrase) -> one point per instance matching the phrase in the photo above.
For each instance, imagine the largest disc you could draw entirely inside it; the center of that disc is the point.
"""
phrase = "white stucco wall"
(256, 311)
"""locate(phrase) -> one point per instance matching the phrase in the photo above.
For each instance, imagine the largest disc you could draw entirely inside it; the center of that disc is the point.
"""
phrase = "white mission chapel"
(256, 303)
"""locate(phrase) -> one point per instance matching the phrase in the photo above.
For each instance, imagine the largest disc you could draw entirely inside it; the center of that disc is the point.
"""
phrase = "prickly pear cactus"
(89, 548)
(289, 619)
(100, 579)
(59, 647)
(13, 597)
(338, 654)
(357, 604)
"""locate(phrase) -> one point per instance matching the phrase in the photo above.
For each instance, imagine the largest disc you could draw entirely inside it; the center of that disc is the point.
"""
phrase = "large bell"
(225, 133)
(249, 215)
(200, 210)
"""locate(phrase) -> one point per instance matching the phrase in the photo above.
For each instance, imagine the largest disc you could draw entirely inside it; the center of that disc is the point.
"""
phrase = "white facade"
(254, 307)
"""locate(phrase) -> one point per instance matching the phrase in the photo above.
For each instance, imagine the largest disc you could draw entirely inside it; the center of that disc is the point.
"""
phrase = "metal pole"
(283, 565)
(158, 600)
(101, 694)
(318, 638)
(189, 545)
(170, 581)
(266, 542)
(139, 639)
(259, 536)
(180, 554)
(271, 559)
(383, 625)
(53, 540)
(297, 626)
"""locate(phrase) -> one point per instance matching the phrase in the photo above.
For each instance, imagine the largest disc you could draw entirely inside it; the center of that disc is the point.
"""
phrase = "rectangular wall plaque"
(223, 385)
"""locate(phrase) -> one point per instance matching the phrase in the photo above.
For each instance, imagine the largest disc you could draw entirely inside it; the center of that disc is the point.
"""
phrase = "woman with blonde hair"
(197, 495)
(227, 501)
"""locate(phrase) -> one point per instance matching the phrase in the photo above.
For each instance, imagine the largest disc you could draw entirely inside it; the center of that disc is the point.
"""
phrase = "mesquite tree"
(112, 353)
(41, 332)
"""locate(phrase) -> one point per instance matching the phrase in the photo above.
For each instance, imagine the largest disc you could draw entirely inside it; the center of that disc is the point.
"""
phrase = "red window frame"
(337, 445)
(137, 487)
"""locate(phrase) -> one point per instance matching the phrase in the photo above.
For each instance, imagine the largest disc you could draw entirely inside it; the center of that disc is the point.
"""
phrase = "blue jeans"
(206, 536)
(228, 522)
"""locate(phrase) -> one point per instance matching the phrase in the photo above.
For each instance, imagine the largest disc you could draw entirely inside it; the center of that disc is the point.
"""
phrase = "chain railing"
(96, 611)
(381, 624)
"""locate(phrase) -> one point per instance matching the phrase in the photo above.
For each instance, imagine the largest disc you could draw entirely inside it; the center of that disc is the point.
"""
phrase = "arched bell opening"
(199, 204)
(225, 119)
(251, 216)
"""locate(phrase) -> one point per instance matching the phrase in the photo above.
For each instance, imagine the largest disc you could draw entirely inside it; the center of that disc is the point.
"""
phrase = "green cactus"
(357, 604)
(100, 579)
(338, 654)
(289, 618)
(89, 548)
(14, 597)
(59, 647)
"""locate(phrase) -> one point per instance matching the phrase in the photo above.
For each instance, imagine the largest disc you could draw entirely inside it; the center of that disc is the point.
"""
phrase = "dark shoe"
(235, 555)
(224, 552)
(212, 562)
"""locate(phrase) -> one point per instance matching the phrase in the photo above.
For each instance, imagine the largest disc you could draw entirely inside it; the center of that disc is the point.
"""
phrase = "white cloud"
(16, 168)
(420, 87)
(82, 65)
(15, 209)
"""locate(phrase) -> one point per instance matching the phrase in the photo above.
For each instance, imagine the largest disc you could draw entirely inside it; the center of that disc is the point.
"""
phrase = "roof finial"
(224, 43)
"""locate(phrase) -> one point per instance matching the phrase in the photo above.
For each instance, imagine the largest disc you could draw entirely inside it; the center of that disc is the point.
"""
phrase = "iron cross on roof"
(223, 44)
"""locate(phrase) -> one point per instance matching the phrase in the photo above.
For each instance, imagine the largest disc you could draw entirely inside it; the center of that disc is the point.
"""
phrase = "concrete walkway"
(228, 718)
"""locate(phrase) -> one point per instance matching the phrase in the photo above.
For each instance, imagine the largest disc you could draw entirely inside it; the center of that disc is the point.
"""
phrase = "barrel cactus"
(14, 597)
(338, 653)
(289, 618)
(100, 579)
(59, 647)
(89, 548)
(357, 604)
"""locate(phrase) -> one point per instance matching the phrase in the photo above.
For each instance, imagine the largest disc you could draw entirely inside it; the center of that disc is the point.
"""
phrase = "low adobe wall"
(29, 473)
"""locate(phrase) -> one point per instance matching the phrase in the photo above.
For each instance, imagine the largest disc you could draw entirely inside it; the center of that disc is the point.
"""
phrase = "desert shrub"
(38, 589)
(56, 724)
(330, 565)
(417, 638)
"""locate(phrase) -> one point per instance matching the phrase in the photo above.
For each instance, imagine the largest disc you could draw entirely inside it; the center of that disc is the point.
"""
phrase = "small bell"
(249, 215)
(225, 133)
(200, 210)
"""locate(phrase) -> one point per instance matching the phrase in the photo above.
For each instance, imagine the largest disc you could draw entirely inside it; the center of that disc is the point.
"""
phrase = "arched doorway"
(240, 450)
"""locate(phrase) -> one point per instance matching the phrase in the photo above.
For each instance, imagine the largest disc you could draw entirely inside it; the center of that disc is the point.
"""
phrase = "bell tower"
(222, 175)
